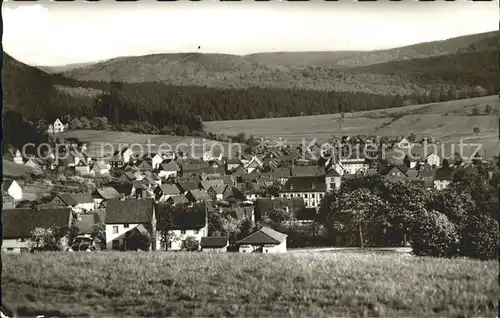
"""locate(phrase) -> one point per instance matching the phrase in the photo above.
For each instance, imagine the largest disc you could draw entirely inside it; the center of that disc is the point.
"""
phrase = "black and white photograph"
(250, 158)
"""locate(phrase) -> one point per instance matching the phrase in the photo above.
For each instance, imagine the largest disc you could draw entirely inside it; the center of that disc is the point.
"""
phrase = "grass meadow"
(231, 284)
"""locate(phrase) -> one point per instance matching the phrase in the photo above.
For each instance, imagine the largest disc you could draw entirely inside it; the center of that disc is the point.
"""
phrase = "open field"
(448, 121)
(104, 141)
(232, 284)
(14, 170)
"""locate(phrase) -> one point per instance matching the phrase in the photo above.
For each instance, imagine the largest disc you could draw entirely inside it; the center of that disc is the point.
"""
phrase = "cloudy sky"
(64, 33)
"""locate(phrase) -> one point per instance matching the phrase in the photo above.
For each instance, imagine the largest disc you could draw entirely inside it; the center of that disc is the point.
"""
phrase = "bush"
(190, 244)
(434, 235)
(480, 238)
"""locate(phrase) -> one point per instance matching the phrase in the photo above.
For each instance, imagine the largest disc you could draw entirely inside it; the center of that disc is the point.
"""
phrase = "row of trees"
(460, 220)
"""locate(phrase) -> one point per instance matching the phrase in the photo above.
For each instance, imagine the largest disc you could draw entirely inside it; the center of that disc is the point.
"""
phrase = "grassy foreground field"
(231, 284)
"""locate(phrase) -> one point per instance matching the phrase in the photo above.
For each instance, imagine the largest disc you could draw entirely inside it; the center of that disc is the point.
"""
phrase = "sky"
(51, 34)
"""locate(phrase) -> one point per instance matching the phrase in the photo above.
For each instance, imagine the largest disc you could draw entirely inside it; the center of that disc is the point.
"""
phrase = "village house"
(186, 186)
(395, 173)
(56, 127)
(13, 189)
(403, 143)
(214, 244)
(265, 240)
(120, 158)
(100, 169)
(240, 213)
(177, 199)
(205, 185)
(168, 169)
(105, 194)
(309, 171)
(310, 189)
(281, 174)
(433, 160)
(333, 180)
(126, 190)
(165, 191)
(143, 165)
(153, 159)
(79, 202)
(216, 192)
(232, 164)
(17, 225)
(82, 168)
(34, 162)
(197, 196)
(214, 154)
(190, 223)
(127, 221)
(18, 158)
(354, 165)
(443, 178)
(254, 164)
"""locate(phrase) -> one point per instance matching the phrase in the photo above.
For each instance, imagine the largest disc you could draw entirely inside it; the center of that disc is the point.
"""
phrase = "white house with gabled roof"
(56, 127)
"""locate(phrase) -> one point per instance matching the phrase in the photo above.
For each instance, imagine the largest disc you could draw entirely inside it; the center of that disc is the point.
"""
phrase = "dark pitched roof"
(187, 185)
(18, 223)
(125, 188)
(305, 184)
(167, 189)
(264, 236)
(7, 184)
(198, 195)
(129, 211)
(281, 173)
(107, 193)
(444, 174)
(194, 166)
(76, 198)
(332, 173)
(239, 213)
(308, 171)
(86, 223)
(213, 242)
(169, 166)
(211, 183)
(178, 199)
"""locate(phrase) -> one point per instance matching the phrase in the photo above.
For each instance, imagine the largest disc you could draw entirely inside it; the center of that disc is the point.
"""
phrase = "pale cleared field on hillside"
(104, 141)
(11, 169)
(449, 121)
(162, 284)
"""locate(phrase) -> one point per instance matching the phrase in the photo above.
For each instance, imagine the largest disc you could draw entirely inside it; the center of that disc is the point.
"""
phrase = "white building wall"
(198, 234)
(433, 159)
(280, 248)
(215, 250)
(167, 174)
(86, 206)
(14, 245)
(110, 236)
(15, 191)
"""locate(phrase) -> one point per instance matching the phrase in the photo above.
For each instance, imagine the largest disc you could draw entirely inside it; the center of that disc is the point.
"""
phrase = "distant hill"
(65, 68)
(307, 70)
(345, 59)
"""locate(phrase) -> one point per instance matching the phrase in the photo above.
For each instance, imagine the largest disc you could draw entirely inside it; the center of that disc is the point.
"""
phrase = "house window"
(321, 195)
(332, 185)
(10, 249)
(183, 231)
(312, 203)
(305, 195)
(115, 244)
(24, 250)
(125, 225)
(115, 229)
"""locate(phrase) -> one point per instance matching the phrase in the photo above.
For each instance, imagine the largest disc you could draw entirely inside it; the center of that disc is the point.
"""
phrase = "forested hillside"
(175, 93)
